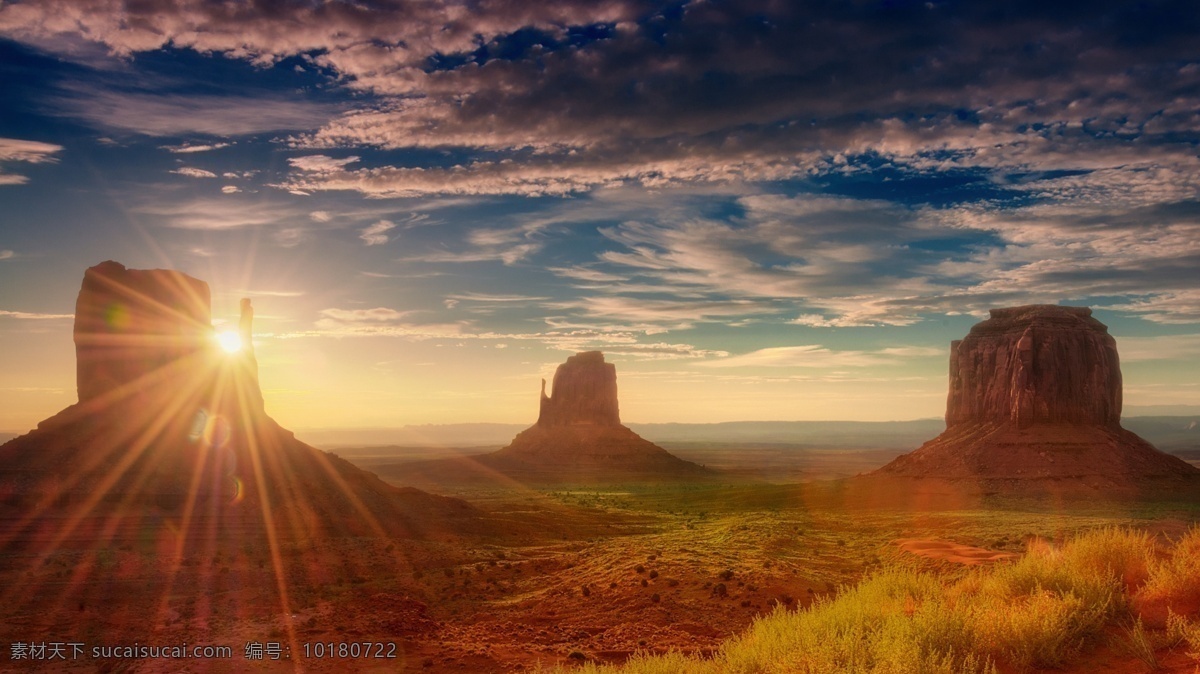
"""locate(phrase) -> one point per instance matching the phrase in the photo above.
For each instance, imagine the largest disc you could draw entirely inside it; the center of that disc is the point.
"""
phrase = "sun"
(230, 341)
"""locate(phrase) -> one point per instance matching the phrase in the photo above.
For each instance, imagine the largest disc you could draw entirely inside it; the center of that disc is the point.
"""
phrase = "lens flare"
(237, 491)
(217, 432)
(230, 341)
(116, 316)
(199, 422)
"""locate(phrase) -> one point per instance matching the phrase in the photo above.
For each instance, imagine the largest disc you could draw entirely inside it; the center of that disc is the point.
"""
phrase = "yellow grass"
(1038, 611)
(1177, 577)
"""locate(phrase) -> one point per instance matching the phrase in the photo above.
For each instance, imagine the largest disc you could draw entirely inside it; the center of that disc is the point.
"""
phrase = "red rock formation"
(585, 392)
(134, 326)
(1035, 364)
(169, 425)
(1035, 404)
(578, 438)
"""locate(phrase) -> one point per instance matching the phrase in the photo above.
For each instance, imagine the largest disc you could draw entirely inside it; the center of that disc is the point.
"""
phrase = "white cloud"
(162, 115)
(6, 254)
(817, 356)
(819, 321)
(376, 315)
(385, 322)
(1183, 348)
(25, 151)
(1168, 306)
(290, 237)
(26, 315)
(30, 151)
(671, 313)
(188, 148)
(587, 274)
(270, 293)
(488, 298)
(376, 234)
(194, 172)
(216, 213)
(321, 164)
(230, 189)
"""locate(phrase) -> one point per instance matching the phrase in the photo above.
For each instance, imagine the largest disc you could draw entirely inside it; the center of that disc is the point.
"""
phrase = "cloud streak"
(817, 356)
(192, 172)
(189, 148)
(166, 115)
(14, 150)
(376, 234)
(33, 316)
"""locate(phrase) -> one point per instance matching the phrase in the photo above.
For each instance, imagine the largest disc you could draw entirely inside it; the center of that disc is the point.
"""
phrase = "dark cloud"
(640, 92)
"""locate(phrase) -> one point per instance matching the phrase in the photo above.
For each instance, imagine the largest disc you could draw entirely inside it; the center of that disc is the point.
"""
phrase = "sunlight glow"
(230, 341)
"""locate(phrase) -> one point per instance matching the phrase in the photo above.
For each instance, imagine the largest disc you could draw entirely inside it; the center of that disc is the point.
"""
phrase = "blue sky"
(757, 210)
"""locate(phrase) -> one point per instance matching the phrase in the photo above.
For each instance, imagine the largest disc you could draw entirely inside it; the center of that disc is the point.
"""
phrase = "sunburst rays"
(183, 452)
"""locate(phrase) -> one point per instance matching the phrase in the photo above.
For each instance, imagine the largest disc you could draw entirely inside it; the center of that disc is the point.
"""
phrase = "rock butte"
(578, 438)
(170, 434)
(1035, 405)
(585, 392)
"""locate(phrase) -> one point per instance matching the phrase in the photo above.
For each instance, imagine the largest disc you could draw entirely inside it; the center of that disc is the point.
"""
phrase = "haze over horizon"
(756, 211)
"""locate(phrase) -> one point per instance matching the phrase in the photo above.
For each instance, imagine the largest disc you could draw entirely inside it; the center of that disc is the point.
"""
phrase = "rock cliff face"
(136, 326)
(1035, 405)
(585, 392)
(1036, 364)
(168, 425)
(578, 438)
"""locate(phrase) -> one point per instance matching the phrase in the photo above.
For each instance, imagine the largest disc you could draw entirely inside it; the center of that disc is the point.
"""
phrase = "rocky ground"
(623, 570)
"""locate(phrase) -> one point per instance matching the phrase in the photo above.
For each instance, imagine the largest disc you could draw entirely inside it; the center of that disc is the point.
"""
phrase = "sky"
(757, 210)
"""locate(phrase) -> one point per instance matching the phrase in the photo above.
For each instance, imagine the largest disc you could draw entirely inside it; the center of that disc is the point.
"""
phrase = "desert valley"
(600, 337)
(167, 508)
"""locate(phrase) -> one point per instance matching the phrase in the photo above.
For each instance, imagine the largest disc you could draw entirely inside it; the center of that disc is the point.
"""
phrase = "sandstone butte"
(578, 439)
(170, 431)
(1035, 406)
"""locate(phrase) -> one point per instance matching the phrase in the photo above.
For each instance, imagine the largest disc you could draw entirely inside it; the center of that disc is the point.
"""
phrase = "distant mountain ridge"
(1165, 432)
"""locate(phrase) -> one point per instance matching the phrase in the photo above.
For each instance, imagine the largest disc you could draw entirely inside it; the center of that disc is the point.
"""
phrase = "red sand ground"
(508, 604)
(953, 552)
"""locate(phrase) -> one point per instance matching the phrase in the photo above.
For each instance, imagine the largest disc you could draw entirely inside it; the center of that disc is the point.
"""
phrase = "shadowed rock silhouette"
(1035, 405)
(578, 439)
(170, 434)
(585, 392)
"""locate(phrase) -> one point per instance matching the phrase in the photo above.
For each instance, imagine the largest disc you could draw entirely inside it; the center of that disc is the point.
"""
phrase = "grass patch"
(1176, 578)
(1036, 612)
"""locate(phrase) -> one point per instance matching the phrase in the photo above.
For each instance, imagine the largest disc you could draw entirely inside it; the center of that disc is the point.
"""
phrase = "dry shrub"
(1174, 583)
(1035, 612)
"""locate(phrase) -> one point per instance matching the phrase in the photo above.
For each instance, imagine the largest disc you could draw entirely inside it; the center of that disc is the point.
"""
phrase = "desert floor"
(608, 572)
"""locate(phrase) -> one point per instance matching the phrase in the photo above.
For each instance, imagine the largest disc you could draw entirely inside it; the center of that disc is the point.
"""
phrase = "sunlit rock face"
(1036, 364)
(134, 327)
(1035, 405)
(585, 392)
